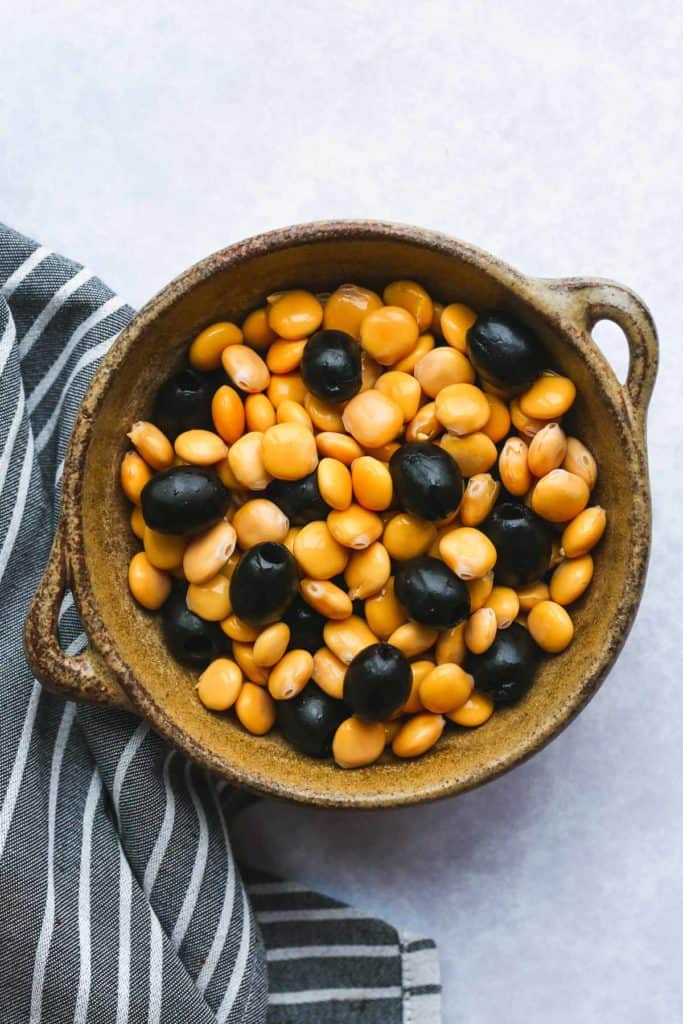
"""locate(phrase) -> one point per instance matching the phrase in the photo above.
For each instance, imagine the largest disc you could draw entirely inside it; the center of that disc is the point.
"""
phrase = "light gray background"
(138, 137)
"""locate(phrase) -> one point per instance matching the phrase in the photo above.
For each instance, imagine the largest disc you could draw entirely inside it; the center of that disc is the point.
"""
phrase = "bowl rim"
(552, 304)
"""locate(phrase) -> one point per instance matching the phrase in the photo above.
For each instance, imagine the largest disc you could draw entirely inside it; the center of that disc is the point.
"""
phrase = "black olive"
(310, 720)
(431, 593)
(377, 682)
(504, 354)
(191, 640)
(300, 500)
(183, 402)
(506, 670)
(523, 543)
(331, 366)
(305, 626)
(427, 481)
(184, 499)
(264, 584)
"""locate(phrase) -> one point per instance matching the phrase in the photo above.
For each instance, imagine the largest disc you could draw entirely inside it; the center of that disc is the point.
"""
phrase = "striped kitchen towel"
(121, 902)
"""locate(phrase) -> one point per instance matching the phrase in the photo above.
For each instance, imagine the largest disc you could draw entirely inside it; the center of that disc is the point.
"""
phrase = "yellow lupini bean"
(481, 630)
(149, 586)
(259, 412)
(325, 417)
(207, 554)
(367, 571)
(548, 398)
(513, 466)
(334, 445)
(271, 644)
(357, 744)
(210, 600)
(403, 388)
(372, 418)
(293, 412)
(424, 425)
(227, 412)
(584, 532)
(468, 552)
(327, 598)
(295, 314)
(243, 653)
(226, 475)
(370, 371)
(230, 566)
(255, 709)
(505, 603)
(450, 646)
(137, 523)
(412, 638)
(289, 451)
(475, 711)
(579, 460)
(372, 484)
(418, 735)
(153, 445)
(560, 496)
(456, 320)
(407, 536)
(355, 527)
(200, 447)
(334, 483)
(479, 591)
(284, 356)
(245, 459)
(207, 348)
(480, 496)
(571, 579)
(245, 368)
(419, 670)
(436, 320)
(476, 453)
(347, 637)
(347, 307)
(531, 595)
(284, 386)
(390, 730)
(424, 345)
(329, 673)
(135, 473)
(219, 684)
(547, 449)
(256, 329)
(442, 367)
(164, 550)
(445, 688)
(292, 534)
(319, 555)
(259, 520)
(384, 452)
(389, 334)
(238, 630)
(462, 409)
(497, 425)
(411, 296)
(290, 675)
(384, 613)
(550, 626)
(526, 425)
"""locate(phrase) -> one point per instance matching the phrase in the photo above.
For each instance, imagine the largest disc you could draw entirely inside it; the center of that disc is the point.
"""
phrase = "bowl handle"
(83, 677)
(588, 301)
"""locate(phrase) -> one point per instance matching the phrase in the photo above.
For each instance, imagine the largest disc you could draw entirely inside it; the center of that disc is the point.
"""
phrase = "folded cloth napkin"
(120, 899)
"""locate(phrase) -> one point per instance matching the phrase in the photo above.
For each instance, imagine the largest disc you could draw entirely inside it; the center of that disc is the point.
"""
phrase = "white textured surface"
(138, 137)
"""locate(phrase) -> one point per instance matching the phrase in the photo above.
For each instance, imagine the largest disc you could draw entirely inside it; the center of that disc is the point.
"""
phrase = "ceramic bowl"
(127, 665)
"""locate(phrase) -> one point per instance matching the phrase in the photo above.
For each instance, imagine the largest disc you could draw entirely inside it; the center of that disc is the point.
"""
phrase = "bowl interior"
(227, 288)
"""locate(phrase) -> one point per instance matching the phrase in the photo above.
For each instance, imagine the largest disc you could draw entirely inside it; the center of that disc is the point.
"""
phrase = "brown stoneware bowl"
(127, 665)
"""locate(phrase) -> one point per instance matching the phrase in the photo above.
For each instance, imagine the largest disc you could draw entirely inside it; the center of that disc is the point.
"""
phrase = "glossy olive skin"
(427, 480)
(309, 721)
(184, 499)
(504, 353)
(523, 542)
(183, 402)
(331, 366)
(300, 500)
(431, 593)
(305, 626)
(264, 583)
(506, 671)
(192, 641)
(377, 682)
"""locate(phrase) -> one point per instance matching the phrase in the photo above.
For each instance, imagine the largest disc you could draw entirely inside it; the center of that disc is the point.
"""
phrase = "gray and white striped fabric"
(121, 901)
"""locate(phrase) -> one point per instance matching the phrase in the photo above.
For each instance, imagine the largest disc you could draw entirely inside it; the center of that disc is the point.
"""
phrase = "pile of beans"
(361, 517)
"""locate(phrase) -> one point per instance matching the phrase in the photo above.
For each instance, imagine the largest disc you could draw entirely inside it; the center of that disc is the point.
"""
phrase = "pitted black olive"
(431, 593)
(377, 682)
(184, 499)
(300, 500)
(331, 366)
(184, 403)
(427, 480)
(192, 641)
(523, 542)
(263, 584)
(310, 720)
(506, 670)
(504, 354)
(305, 625)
